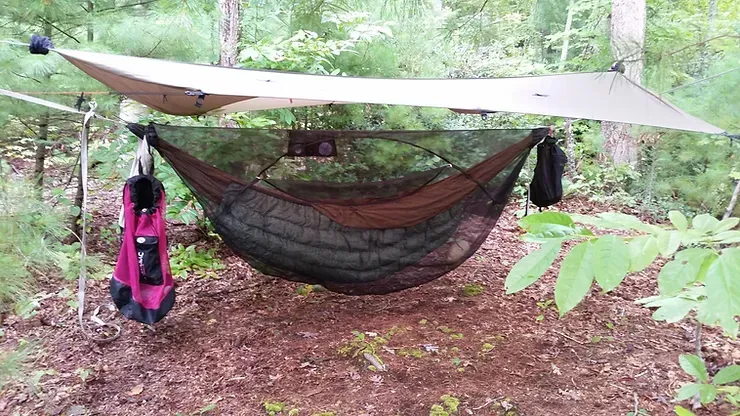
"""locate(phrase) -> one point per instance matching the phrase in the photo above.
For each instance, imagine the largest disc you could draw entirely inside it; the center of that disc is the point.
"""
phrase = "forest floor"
(238, 341)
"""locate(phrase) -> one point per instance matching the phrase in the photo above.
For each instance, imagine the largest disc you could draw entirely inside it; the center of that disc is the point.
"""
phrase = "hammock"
(409, 206)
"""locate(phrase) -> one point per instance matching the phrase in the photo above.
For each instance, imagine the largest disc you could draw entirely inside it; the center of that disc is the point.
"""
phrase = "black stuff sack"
(547, 184)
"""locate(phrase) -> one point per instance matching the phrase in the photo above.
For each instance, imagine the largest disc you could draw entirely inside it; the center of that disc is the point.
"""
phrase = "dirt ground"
(233, 343)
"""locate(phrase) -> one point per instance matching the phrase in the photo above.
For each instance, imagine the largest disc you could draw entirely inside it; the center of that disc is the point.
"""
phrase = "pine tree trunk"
(570, 148)
(74, 224)
(628, 20)
(40, 157)
(41, 140)
(90, 11)
(733, 202)
(229, 30)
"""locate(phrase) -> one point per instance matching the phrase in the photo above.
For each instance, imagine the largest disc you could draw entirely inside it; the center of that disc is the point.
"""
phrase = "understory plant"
(698, 280)
(31, 243)
(188, 261)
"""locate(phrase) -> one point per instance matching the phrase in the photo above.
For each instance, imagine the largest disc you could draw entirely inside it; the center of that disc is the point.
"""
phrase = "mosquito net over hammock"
(405, 208)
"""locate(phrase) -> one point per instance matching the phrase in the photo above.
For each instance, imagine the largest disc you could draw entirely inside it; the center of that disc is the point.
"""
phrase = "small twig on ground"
(569, 337)
(374, 361)
(229, 291)
(637, 403)
(697, 339)
(621, 388)
(489, 402)
(697, 343)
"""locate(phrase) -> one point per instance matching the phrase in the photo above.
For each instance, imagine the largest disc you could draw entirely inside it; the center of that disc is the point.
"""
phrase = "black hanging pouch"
(547, 184)
(147, 252)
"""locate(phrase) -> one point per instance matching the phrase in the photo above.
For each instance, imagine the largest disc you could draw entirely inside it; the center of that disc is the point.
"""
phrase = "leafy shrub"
(472, 289)
(448, 407)
(708, 390)
(186, 260)
(32, 233)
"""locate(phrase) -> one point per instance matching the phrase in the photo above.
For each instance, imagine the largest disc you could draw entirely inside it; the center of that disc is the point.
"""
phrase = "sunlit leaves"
(575, 277)
(611, 261)
(668, 242)
(704, 223)
(726, 225)
(688, 391)
(677, 274)
(671, 310)
(729, 374)
(723, 289)
(529, 269)
(628, 222)
(694, 366)
(697, 280)
(678, 220)
(643, 250)
(682, 411)
(543, 226)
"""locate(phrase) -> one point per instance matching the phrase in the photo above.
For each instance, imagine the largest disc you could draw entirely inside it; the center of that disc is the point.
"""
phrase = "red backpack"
(142, 286)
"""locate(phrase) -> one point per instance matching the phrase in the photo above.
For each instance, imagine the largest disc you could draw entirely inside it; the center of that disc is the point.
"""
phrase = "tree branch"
(143, 3)
(483, 6)
(60, 30)
(25, 76)
(700, 44)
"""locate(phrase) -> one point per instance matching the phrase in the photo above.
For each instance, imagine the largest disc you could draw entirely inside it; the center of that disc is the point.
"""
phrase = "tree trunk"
(711, 17)
(229, 35)
(74, 224)
(570, 145)
(566, 39)
(90, 11)
(733, 202)
(41, 140)
(570, 148)
(628, 21)
(229, 30)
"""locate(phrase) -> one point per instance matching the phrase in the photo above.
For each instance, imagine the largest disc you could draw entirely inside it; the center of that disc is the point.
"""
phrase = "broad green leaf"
(643, 251)
(690, 237)
(707, 393)
(723, 288)
(682, 411)
(688, 391)
(694, 366)
(611, 261)
(726, 225)
(74, 210)
(707, 315)
(550, 231)
(548, 238)
(629, 222)
(727, 237)
(531, 267)
(649, 300)
(668, 242)
(597, 222)
(575, 277)
(704, 256)
(677, 274)
(678, 220)
(547, 217)
(672, 309)
(704, 223)
(729, 374)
